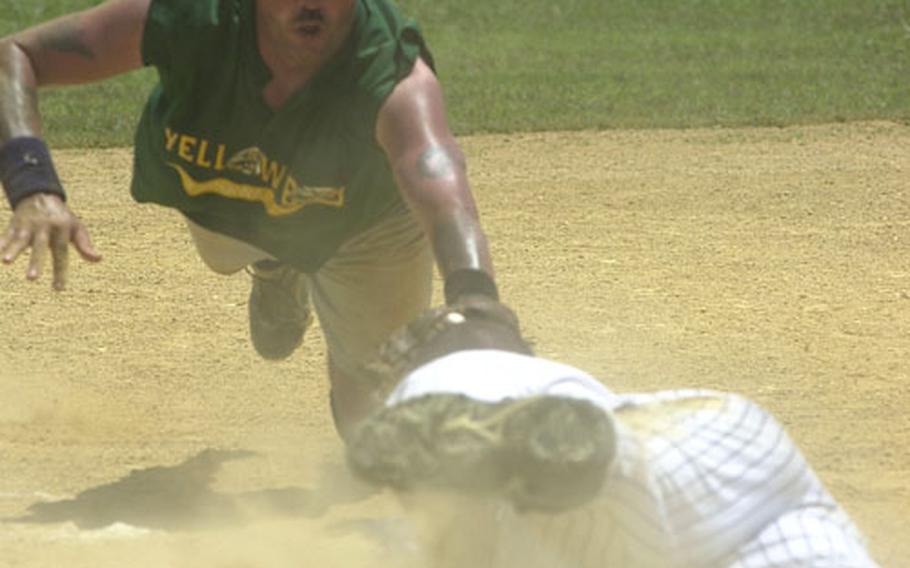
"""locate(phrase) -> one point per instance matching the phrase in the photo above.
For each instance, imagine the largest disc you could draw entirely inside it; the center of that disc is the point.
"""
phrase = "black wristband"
(467, 281)
(26, 168)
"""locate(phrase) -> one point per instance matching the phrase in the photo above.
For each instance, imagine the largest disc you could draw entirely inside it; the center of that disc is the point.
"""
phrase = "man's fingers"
(60, 255)
(20, 240)
(55, 232)
(83, 243)
(39, 251)
(5, 241)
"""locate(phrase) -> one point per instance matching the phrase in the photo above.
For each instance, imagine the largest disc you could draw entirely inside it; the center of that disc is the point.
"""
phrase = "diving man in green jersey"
(302, 140)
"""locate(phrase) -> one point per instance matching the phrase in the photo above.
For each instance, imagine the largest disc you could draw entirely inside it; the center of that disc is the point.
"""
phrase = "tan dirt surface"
(771, 262)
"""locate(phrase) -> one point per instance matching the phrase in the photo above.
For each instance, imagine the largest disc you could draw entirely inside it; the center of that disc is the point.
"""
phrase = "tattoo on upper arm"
(65, 37)
(438, 162)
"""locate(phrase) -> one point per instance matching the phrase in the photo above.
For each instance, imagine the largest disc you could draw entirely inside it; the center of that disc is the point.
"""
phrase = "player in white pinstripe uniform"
(589, 478)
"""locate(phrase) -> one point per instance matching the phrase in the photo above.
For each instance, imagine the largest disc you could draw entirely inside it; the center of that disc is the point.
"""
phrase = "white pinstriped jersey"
(701, 479)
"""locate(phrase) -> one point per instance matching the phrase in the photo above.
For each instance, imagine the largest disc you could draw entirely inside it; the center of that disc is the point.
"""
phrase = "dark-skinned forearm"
(18, 94)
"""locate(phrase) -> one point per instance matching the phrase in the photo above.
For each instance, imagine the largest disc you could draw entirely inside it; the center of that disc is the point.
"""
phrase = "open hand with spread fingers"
(43, 222)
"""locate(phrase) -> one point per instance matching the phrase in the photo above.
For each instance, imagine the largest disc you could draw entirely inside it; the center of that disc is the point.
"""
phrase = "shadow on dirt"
(179, 498)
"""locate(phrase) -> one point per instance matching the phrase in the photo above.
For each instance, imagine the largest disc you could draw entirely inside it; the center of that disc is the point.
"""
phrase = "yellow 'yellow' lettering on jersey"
(170, 139)
(186, 146)
(201, 158)
(219, 157)
(197, 151)
(272, 172)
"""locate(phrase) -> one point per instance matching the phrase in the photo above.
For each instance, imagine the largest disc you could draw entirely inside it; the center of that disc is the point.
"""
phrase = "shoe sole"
(542, 453)
(275, 339)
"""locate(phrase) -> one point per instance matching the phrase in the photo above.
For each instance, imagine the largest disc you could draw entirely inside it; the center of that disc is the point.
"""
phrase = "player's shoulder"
(713, 439)
(693, 399)
(691, 411)
(386, 46)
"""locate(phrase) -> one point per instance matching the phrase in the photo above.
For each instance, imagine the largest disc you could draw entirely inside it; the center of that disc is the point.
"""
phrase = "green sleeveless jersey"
(295, 182)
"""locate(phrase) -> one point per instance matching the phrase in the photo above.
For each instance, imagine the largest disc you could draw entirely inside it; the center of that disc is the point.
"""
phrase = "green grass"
(514, 65)
(661, 63)
(99, 115)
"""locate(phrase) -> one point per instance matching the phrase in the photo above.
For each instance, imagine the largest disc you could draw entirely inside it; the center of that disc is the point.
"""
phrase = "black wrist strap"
(26, 168)
(466, 281)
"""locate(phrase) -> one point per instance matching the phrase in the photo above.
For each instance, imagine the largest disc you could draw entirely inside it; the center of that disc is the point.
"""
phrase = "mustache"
(310, 15)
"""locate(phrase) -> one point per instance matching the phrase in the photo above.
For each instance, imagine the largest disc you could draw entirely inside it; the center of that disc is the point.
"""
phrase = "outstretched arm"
(78, 48)
(431, 173)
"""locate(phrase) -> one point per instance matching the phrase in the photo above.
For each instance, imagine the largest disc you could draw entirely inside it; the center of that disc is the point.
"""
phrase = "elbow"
(9, 52)
(8, 49)
(16, 62)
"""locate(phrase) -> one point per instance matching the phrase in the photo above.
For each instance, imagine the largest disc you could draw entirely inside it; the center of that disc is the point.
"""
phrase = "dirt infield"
(772, 262)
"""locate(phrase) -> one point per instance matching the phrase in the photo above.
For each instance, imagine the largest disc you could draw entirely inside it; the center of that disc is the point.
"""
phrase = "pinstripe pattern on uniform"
(700, 479)
(703, 480)
(726, 469)
(817, 535)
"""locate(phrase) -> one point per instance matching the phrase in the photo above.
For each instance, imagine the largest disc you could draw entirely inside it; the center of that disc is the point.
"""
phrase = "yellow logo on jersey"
(275, 187)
